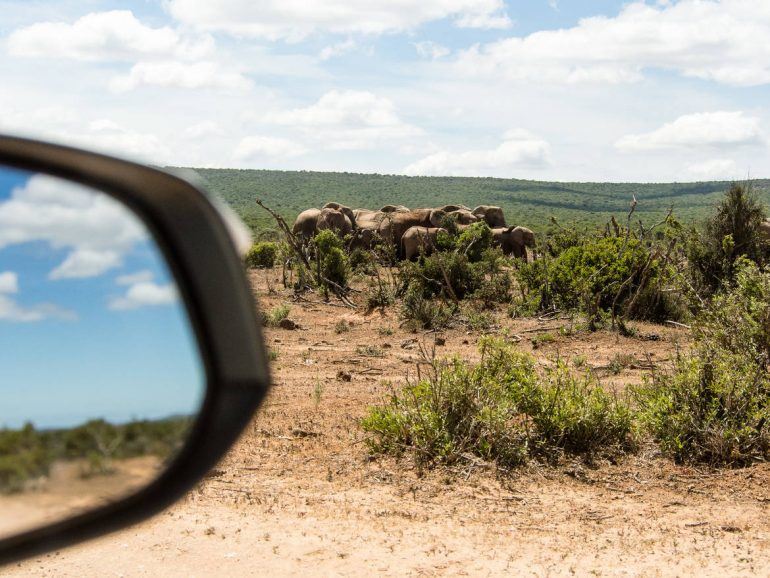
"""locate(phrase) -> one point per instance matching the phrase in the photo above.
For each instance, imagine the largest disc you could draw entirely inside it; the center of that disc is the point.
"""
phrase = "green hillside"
(530, 203)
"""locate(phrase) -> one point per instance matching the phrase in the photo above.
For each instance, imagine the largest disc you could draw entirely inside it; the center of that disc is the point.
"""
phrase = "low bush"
(499, 410)
(332, 261)
(362, 261)
(603, 275)
(714, 404)
(274, 316)
(732, 232)
(261, 255)
(424, 312)
(712, 407)
(474, 241)
(449, 275)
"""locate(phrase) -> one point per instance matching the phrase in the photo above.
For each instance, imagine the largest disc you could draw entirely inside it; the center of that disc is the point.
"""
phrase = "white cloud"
(704, 129)
(431, 50)
(346, 120)
(337, 49)
(202, 129)
(195, 75)
(10, 310)
(713, 169)
(142, 276)
(9, 282)
(261, 147)
(109, 137)
(293, 20)
(484, 20)
(105, 36)
(95, 229)
(84, 262)
(519, 149)
(144, 293)
(727, 42)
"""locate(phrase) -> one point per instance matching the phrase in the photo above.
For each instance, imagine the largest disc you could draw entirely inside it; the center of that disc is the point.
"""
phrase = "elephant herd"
(410, 231)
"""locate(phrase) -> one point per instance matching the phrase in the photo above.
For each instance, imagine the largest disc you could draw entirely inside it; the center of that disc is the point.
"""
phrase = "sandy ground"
(299, 495)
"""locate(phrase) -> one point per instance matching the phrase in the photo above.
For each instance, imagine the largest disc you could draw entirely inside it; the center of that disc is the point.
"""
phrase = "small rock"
(386, 346)
(465, 342)
(440, 340)
(287, 324)
(343, 375)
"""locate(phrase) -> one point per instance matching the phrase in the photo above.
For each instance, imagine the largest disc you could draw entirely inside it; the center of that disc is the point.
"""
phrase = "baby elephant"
(418, 240)
(514, 240)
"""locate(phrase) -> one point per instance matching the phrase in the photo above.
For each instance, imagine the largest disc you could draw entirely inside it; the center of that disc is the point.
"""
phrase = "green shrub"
(450, 275)
(602, 274)
(332, 261)
(714, 404)
(362, 261)
(474, 241)
(712, 407)
(738, 319)
(732, 232)
(261, 255)
(496, 282)
(277, 314)
(425, 312)
(498, 410)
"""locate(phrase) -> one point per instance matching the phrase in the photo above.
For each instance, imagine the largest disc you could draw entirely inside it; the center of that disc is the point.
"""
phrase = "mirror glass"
(100, 374)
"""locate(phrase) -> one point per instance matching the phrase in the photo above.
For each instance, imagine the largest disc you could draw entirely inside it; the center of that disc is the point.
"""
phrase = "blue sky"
(651, 90)
(91, 325)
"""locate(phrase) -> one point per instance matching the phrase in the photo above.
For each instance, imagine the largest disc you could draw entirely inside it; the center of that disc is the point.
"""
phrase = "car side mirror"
(130, 350)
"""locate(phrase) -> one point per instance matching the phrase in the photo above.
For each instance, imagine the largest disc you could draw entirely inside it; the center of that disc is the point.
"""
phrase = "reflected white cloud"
(9, 282)
(142, 292)
(11, 310)
(95, 229)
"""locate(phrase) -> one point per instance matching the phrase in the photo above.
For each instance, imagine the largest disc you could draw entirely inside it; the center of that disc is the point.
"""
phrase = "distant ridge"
(526, 202)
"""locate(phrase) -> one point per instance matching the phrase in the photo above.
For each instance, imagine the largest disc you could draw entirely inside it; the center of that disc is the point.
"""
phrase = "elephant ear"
(511, 228)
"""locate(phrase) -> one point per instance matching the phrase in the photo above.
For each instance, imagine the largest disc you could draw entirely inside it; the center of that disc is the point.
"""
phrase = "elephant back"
(306, 223)
(335, 220)
(493, 216)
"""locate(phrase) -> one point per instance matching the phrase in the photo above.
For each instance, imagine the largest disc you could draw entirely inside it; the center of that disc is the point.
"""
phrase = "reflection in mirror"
(100, 376)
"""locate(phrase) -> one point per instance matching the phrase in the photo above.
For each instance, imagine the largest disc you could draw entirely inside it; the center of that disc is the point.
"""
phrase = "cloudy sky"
(544, 89)
(91, 325)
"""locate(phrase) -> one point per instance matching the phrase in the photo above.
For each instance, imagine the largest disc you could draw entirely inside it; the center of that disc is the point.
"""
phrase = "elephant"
(394, 225)
(492, 215)
(310, 221)
(514, 240)
(418, 240)
(306, 224)
(364, 238)
(335, 220)
(347, 211)
(394, 209)
(463, 216)
(453, 208)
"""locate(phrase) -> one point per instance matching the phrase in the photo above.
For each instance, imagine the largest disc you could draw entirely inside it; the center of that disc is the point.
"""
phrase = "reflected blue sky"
(91, 325)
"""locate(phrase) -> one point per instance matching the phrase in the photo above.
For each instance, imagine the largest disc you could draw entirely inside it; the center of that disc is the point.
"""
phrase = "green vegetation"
(500, 410)
(531, 203)
(277, 314)
(331, 260)
(261, 255)
(28, 453)
(620, 273)
(714, 405)
(732, 232)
